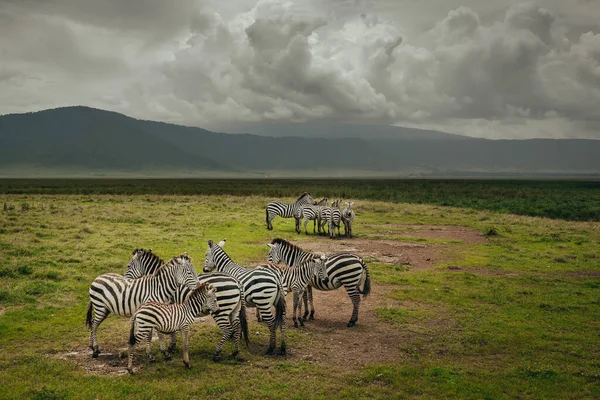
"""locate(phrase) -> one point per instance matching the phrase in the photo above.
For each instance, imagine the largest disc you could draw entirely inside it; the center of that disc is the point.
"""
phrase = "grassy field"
(569, 200)
(516, 316)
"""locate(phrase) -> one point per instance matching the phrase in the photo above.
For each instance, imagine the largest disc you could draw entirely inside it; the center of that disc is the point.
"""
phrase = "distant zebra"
(348, 218)
(335, 216)
(263, 289)
(344, 269)
(170, 318)
(231, 317)
(286, 210)
(297, 278)
(310, 212)
(121, 296)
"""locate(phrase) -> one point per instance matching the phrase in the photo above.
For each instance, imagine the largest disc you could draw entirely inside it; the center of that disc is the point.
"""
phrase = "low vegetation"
(513, 315)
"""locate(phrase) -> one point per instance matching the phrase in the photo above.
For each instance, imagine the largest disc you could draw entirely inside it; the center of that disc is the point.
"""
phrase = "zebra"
(114, 293)
(231, 317)
(310, 212)
(263, 289)
(170, 318)
(344, 269)
(286, 210)
(347, 218)
(335, 216)
(297, 278)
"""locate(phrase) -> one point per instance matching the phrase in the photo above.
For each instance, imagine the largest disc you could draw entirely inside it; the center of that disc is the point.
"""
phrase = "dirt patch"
(327, 341)
(448, 232)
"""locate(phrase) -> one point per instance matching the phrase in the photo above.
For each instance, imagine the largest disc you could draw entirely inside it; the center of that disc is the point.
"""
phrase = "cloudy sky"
(501, 69)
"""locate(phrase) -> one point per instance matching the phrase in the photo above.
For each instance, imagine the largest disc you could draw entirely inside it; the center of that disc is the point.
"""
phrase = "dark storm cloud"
(507, 69)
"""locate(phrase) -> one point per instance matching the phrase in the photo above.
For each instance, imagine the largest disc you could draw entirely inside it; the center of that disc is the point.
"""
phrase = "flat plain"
(466, 302)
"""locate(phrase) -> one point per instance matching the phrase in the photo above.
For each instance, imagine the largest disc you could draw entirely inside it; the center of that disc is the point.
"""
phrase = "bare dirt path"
(327, 341)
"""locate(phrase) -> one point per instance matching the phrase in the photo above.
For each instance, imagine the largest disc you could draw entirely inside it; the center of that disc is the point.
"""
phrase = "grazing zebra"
(310, 212)
(263, 289)
(347, 218)
(114, 293)
(335, 216)
(344, 269)
(170, 318)
(297, 278)
(231, 317)
(286, 210)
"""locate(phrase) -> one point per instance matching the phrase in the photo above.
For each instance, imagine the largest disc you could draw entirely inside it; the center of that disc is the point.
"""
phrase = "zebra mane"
(172, 261)
(199, 287)
(303, 195)
(148, 253)
(291, 246)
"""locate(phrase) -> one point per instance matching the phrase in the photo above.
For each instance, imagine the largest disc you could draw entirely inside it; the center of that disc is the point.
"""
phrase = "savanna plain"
(479, 289)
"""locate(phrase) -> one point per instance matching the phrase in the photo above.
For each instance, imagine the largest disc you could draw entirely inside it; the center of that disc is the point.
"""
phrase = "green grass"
(515, 317)
(562, 199)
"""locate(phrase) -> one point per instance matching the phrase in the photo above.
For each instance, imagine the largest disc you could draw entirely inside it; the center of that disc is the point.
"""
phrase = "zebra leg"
(225, 326)
(305, 299)
(163, 348)
(185, 331)
(130, 359)
(296, 301)
(100, 315)
(310, 303)
(173, 342)
(306, 223)
(314, 225)
(259, 317)
(355, 298)
(236, 334)
(149, 345)
(268, 317)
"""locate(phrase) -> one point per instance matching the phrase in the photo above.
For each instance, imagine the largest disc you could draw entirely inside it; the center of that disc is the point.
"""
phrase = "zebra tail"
(267, 215)
(132, 331)
(367, 285)
(280, 309)
(88, 318)
(244, 325)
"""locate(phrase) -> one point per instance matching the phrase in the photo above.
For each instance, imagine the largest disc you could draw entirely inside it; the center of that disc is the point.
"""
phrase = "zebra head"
(209, 262)
(274, 253)
(185, 272)
(306, 198)
(135, 267)
(322, 269)
(205, 295)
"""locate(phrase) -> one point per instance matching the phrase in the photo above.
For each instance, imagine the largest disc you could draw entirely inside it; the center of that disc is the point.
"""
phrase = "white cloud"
(510, 69)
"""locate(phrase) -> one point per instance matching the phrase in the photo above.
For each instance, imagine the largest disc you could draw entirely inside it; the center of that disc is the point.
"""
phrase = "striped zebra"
(310, 212)
(286, 210)
(335, 216)
(297, 278)
(263, 289)
(231, 317)
(114, 293)
(347, 219)
(168, 319)
(344, 269)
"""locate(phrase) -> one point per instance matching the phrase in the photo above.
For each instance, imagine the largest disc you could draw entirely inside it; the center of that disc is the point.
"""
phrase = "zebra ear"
(221, 243)
(323, 257)
(211, 289)
(270, 245)
(210, 243)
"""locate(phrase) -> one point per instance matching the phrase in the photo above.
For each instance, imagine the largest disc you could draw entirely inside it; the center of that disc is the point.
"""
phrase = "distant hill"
(82, 140)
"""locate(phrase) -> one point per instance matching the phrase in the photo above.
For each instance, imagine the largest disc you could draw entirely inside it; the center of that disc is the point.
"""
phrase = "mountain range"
(83, 141)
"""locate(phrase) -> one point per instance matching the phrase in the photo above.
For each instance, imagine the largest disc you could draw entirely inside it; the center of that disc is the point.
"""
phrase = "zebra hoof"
(283, 350)
(130, 371)
(351, 324)
(270, 351)
(95, 353)
(301, 323)
(187, 365)
(312, 316)
(168, 357)
(217, 357)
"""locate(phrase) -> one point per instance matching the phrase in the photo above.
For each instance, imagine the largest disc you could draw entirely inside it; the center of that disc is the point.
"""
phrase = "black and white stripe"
(112, 293)
(297, 278)
(334, 218)
(168, 319)
(263, 289)
(348, 216)
(310, 212)
(344, 269)
(231, 317)
(286, 210)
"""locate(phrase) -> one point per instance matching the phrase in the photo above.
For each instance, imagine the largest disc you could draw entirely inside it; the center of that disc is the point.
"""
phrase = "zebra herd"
(169, 296)
(308, 209)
